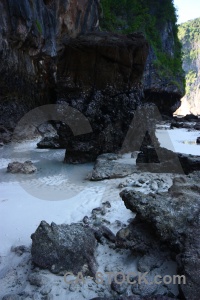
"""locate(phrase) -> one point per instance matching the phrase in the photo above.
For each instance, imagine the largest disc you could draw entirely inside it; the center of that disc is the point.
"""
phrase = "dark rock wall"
(31, 34)
(100, 75)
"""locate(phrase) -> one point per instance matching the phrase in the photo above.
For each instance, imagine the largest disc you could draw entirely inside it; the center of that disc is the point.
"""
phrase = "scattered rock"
(120, 287)
(19, 250)
(26, 168)
(38, 280)
(197, 126)
(103, 231)
(181, 125)
(49, 143)
(198, 140)
(64, 248)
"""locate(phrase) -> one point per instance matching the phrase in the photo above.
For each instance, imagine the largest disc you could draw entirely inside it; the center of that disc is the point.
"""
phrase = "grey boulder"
(64, 248)
(26, 168)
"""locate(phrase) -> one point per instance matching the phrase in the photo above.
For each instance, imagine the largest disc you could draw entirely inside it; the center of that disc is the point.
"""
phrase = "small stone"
(26, 168)
(37, 280)
(86, 220)
(46, 290)
(107, 204)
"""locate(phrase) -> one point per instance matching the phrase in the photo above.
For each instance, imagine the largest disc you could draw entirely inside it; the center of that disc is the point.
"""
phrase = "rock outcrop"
(163, 77)
(190, 38)
(174, 218)
(25, 168)
(31, 34)
(99, 75)
(64, 248)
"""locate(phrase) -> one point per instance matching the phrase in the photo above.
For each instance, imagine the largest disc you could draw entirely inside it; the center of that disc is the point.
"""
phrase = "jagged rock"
(138, 237)
(189, 163)
(175, 218)
(103, 231)
(19, 250)
(47, 130)
(109, 166)
(26, 168)
(181, 125)
(187, 118)
(49, 143)
(31, 35)
(37, 280)
(108, 100)
(63, 248)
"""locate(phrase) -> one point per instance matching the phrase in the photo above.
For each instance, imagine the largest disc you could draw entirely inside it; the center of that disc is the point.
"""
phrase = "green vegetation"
(191, 77)
(189, 35)
(39, 26)
(151, 17)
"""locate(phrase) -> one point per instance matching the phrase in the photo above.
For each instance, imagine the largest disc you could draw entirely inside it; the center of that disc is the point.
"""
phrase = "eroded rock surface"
(100, 75)
(175, 218)
(109, 166)
(26, 168)
(62, 248)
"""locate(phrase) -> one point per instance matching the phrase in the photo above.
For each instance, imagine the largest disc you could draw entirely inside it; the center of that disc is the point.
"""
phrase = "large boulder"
(111, 165)
(99, 75)
(31, 35)
(175, 218)
(64, 248)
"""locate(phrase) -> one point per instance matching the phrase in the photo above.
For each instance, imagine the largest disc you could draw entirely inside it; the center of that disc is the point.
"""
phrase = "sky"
(187, 9)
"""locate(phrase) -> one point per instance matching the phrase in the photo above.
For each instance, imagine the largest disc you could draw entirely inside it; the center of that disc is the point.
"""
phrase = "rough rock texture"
(175, 219)
(31, 34)
(62, 248)
(99, 75)
(49, 52)
(108, 166)
(26, 168)
(159, 89)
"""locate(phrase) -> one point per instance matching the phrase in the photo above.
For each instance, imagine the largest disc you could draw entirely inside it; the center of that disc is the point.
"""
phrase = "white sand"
(60, 193)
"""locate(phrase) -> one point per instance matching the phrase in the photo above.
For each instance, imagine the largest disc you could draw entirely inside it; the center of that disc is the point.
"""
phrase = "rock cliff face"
(52, 52)
(189, 34)
(99, 74)
(163, 77)
(31, 34)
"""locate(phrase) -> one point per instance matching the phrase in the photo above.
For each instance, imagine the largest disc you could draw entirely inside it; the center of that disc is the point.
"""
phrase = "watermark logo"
(131, 278)
(145, 119)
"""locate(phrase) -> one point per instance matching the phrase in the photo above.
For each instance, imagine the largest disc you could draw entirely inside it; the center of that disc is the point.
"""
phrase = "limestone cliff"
(163, 76)
(189, 34)
(32, 32)
(51, 51)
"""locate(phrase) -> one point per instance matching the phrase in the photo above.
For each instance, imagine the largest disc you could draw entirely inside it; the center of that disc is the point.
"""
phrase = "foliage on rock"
(155, 19)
